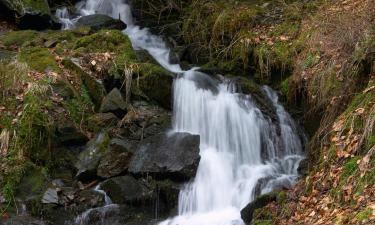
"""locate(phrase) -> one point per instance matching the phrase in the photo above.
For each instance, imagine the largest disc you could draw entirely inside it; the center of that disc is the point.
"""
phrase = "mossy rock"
(259, 202)
(21, 38)
(33, 182)
(95, 87)
(156, 83)
(39, 59)
(89, 159)
(104, 41)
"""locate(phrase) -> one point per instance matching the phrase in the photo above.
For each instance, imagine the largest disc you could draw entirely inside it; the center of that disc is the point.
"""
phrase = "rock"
(144, 120)
(114, 103)
(50, 197)
(167, 155)
(88, 160)
(303, 167)
(259, 202)
(249, 87)
(156, 83)
(94, 86)
(68, 135)
(116, 159)
(98, 21)
(64, 89)
(102, 120)
(127, 190)
(28, 14)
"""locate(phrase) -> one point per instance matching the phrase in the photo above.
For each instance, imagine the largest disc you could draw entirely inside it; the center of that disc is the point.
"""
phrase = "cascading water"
(242, 153)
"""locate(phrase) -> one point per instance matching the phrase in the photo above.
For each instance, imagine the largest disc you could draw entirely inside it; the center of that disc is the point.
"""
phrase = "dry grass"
(329, 71)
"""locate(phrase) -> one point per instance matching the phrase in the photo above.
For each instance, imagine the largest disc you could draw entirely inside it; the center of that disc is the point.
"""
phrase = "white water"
(239, 145)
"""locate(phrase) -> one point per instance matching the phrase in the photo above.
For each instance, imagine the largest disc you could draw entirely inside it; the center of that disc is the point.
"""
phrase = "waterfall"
(234, 134)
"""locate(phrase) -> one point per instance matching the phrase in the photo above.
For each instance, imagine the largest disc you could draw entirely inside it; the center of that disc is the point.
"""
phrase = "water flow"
(105, 211)
(242, 153)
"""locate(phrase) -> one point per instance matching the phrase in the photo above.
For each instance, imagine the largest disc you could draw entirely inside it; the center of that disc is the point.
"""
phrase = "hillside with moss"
(318, 54)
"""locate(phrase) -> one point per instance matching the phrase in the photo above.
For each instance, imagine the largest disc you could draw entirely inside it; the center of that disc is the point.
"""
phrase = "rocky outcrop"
(89, 159)
(127, 190)
(97, 22)
(114, 103)
(167, 155)
(261, 201)
(116, 160)
(27, 14)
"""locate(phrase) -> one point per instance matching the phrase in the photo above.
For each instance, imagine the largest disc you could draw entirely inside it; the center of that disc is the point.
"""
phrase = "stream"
(243, 154)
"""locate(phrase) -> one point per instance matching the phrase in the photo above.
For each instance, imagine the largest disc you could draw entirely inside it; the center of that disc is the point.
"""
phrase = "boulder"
(50, 196)
(89, 159)
(163, 155)
(156, 83)
(95, 87)
(28, 14)
(98, 21)
(259, 202)
(127, 190)
(114, 103)
(102, 120)
(68, 135)
(116, 159)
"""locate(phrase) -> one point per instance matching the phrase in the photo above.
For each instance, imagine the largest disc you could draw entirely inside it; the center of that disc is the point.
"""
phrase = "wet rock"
(127, 190)
(116, 160)
(173, 155)
(114, 103)
(68, 135)
(98, 21)
(89, 159)
(29, 14)
(50, 197)
(249, 87)
(261, 201)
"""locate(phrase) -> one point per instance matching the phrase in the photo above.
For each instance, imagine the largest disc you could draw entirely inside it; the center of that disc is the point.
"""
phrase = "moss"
(364, 214)
(34, 5)
(20, 38)
(39, 59)
(263, 222)
(156, 83)
(105, 41)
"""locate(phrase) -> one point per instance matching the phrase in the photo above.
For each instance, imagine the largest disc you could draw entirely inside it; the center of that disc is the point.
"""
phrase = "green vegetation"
(20, 38)
(39, 59)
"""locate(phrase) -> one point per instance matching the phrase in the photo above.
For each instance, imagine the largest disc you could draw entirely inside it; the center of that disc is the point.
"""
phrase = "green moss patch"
(39, 59)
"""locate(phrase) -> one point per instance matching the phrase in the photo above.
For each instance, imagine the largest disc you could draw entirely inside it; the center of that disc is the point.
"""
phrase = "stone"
(89, 159)
(114, 103)
(127, 190)
(50, 197)
(98, 21)
(175, 156)
(94, 86)
(259, 202)
(99, 121)
(28, 14)
(116, 160)
(68, 135)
